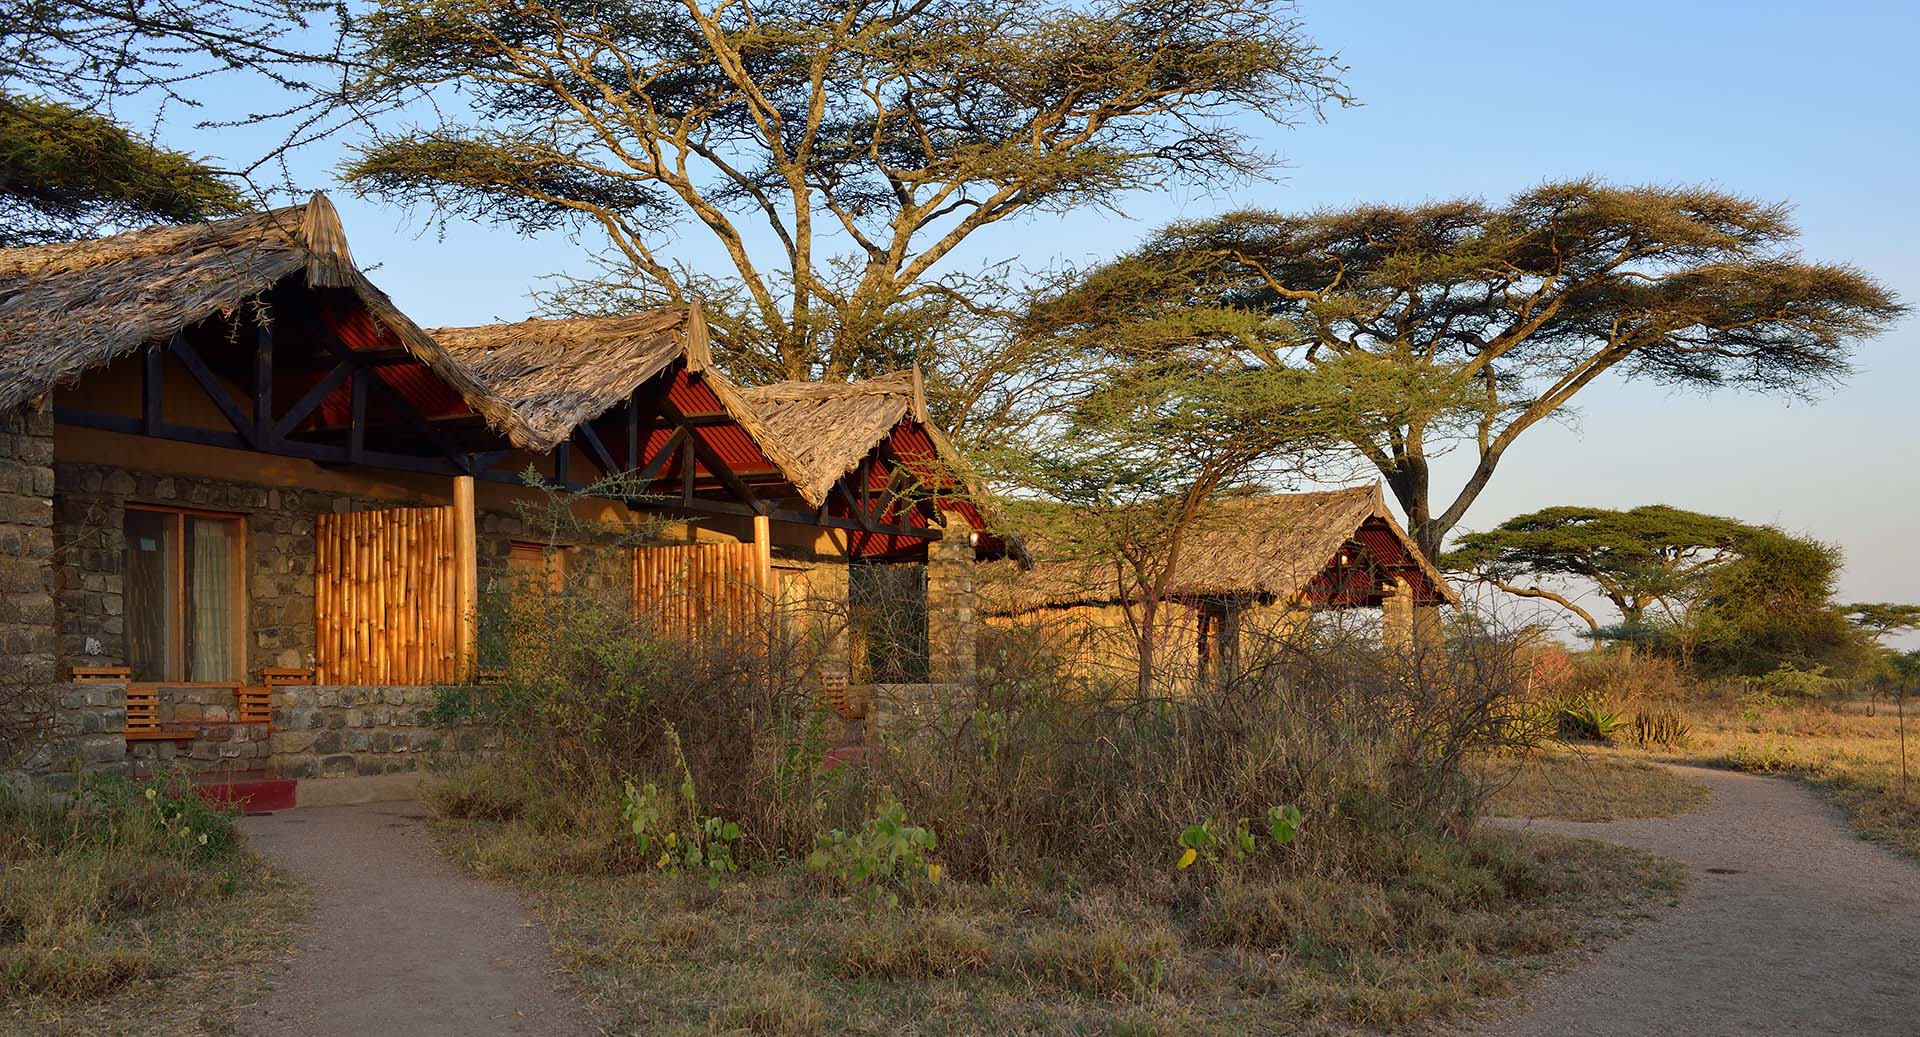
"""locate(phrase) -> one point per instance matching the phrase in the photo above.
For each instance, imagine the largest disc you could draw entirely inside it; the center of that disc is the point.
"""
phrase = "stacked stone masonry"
(27, 547)
(333, 732)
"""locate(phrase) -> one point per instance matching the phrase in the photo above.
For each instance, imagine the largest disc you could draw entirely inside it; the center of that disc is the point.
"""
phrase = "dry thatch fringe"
(1269, 545)
(559, 374)
(832, 426)
(71, 308)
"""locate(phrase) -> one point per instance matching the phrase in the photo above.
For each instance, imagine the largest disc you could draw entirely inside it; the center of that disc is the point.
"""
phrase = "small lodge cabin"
(1251, 568)
(870, 450)
(246, 504)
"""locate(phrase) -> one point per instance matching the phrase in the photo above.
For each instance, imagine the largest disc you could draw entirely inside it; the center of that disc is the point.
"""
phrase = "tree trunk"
(1149, 609)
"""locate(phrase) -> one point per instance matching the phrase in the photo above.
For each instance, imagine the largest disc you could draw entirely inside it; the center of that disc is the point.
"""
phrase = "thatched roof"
(71, 308)
(1272, 545)
(832, 426)
(561, 373)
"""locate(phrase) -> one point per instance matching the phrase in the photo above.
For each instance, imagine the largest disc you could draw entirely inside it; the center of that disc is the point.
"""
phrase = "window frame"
(176, 628)
(554, 559)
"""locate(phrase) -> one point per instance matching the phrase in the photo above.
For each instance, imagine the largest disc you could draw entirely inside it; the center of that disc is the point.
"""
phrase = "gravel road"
(401, 942)
(1792, 925)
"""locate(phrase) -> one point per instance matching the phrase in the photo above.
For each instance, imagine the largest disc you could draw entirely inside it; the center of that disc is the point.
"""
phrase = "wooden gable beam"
(211, 385)
(309, 403)
(601, 457)
(263, 384)
(152, 380)
(710, 458)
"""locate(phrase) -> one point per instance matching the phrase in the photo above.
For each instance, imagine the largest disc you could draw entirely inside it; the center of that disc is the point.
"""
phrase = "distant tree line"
(1724, 596)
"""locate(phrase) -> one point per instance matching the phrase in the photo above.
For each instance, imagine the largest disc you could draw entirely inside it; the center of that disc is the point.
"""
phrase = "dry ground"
(400, 942)
(1791, 925)
(108, 940)
(1576, 785)
(1840, 747)
(775, 953)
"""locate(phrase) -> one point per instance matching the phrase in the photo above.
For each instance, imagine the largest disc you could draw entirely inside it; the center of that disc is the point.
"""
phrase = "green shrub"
(1788, 681)
(1589, 723)
(884, 856)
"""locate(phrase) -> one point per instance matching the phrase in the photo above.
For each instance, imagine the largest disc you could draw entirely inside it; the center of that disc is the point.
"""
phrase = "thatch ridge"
(559, 373)
(70, 308)
(831, 426)
(1267, 545)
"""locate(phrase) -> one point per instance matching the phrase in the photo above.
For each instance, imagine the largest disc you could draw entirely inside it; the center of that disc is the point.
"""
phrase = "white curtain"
(210, 637)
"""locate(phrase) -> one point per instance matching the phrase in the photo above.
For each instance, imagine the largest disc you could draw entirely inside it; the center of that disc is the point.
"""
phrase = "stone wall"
(218, 742)
(90, 506)
(336, 732)
(82, 733)
(953, 635)
(26, 546)
(40, 727)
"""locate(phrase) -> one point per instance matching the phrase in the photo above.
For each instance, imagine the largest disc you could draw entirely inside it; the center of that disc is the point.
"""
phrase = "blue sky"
(1814, 104)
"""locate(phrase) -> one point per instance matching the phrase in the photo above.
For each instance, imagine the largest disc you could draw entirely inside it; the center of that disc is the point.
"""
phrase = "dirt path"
(1793, 925)
(400, 942)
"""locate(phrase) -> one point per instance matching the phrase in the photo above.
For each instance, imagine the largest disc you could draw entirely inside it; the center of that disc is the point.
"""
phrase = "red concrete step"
(254, 792)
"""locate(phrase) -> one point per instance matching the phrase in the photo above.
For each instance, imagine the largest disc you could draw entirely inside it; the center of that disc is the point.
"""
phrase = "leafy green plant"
(1283, 822)
(1589, 723)
(706, 845)
(1198, 841)
(1788, 681)
(163, 813)
(887, 853)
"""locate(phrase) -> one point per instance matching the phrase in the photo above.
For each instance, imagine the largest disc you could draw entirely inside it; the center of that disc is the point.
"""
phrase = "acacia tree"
(67, 174)
(285, 56)
(1637, 559)
(1884, 618)
(839, 153)
(1147, 449)
(1773, 606)
(1528, 301)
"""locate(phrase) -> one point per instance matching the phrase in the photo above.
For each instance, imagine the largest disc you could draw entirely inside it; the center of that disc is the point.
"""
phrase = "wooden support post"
(686, 471)
(466, 579)
(357, 421)
(263, 386)
(763, 553)
(152, 378)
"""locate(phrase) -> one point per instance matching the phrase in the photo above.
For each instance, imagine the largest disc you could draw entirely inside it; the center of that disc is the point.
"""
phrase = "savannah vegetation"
(1297, 846)
(1732, 650)
(132, 907)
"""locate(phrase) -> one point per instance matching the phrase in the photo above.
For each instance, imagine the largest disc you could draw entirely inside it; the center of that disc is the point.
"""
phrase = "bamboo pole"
(466, 575)
(762, 565)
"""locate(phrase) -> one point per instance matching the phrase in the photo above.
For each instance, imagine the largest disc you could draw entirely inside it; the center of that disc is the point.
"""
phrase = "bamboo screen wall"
(385, 600)
(690, 591)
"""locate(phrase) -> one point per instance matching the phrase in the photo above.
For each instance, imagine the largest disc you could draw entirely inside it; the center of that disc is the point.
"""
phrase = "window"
(183, 595)
(887, 614)
(533, 566)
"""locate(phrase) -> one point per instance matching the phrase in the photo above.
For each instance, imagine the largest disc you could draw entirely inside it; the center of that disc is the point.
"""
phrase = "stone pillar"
(1428, 633)
(952, 613)
(28, 633)
(1396, 618)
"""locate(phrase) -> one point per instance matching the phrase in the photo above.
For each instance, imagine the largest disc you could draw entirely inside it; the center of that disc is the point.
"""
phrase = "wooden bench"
(143, 716)
(100, 675)
(256, 704)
